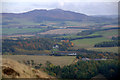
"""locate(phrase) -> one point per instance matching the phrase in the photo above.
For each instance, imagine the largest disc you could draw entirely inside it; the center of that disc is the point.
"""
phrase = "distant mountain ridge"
(51, 15)
(41, 15)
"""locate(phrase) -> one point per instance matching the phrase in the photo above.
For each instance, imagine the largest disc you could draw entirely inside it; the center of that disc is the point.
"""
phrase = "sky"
(89, 7)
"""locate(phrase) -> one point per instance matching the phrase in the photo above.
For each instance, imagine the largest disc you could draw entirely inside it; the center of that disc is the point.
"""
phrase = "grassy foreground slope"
(14, 69)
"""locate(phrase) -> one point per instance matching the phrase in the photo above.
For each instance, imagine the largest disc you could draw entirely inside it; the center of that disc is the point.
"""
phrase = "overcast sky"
(89, 7)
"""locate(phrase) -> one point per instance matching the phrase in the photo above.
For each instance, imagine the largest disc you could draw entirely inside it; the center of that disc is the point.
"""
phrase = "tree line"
(83, 37)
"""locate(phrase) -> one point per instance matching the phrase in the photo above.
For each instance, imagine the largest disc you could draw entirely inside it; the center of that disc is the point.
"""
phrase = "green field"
(17, 30)
(105, 49)
(89, 43)
(108, 33)
(56, 60)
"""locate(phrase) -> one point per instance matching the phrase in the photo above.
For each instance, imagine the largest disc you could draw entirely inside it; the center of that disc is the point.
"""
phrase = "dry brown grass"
(13, 69)
(56, 60)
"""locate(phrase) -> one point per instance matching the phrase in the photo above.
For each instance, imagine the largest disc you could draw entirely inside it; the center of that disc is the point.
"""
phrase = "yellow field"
(56, 60)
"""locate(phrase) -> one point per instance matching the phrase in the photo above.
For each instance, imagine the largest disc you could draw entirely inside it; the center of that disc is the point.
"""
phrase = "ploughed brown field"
(63, 31)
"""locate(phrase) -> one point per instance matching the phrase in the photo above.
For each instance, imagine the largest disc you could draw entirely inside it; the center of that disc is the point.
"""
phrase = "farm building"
(65, 53)
(56, 46)
(100, 59)
(85, 59)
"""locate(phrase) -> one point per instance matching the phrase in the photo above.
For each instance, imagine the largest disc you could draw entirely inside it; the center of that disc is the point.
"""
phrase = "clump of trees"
(107, 44)
(28, 44)
(33, 64)
(86, 69)
(115, 42)
(52, 69)
(116, 38)
(36, 44)
(40, 44)
(86, 32)
(65, 45)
